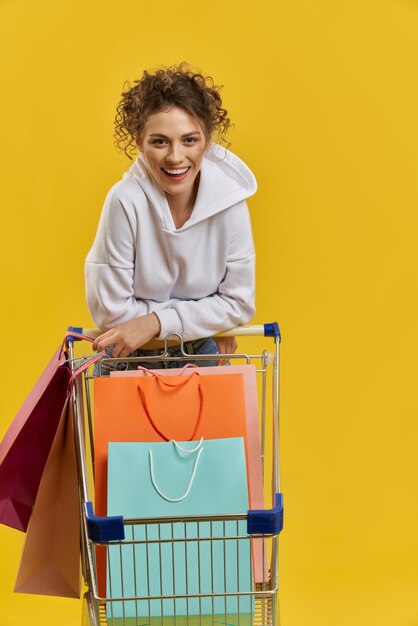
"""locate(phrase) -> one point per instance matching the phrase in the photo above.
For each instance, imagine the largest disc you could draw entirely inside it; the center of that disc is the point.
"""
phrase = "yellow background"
(324, 96)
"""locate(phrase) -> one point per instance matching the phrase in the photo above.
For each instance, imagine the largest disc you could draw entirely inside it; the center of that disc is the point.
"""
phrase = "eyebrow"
(194, 132)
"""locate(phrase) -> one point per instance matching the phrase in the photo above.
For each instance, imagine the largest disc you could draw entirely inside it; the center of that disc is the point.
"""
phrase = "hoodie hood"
(225, 180)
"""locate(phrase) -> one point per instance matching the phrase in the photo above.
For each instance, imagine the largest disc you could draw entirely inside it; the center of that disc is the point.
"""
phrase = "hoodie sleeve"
(233, 303)
(109, 268)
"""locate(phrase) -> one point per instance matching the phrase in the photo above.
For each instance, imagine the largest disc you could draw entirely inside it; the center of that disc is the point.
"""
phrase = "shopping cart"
(201, 597)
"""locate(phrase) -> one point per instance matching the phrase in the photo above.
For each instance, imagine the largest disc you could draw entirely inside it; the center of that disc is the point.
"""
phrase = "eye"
(191, 140)
(159, 141)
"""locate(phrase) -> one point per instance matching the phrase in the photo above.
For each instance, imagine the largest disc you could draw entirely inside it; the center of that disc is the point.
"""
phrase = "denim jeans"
(198, 346)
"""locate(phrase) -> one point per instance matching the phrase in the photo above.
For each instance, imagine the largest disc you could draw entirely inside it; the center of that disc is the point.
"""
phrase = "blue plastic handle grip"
(103, 529)
(272, 330)
(74, 329)
(268, 522)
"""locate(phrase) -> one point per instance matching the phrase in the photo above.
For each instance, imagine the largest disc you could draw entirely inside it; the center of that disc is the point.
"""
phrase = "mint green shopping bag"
(172, 479)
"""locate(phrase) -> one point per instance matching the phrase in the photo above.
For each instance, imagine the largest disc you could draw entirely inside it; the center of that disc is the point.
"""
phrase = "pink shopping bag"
(255, 478)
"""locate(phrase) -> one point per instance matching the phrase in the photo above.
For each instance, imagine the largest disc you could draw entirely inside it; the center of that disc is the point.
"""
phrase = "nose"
(175, 154)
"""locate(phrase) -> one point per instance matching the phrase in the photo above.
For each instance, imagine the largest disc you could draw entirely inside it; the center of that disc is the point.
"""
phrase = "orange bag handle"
(171, 386)
(179, 373)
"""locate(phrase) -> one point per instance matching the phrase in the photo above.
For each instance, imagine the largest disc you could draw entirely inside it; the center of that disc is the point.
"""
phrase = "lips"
(176, 173)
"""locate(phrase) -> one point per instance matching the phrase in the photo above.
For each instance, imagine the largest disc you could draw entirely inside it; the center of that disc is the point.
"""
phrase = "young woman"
(174, 251)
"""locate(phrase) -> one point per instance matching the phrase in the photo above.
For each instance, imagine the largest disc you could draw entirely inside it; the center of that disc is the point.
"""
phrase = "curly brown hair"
(176, 86)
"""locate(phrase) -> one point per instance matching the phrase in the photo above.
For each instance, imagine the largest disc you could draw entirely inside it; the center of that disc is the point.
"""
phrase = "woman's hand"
(226, 345)
(129, 336)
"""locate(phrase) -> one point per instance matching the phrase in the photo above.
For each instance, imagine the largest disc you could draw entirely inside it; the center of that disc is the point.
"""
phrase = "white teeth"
(181, 171)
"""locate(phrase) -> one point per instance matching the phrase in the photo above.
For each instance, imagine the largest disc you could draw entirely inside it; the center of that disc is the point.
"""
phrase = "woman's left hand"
(129, 336)
(226, 345)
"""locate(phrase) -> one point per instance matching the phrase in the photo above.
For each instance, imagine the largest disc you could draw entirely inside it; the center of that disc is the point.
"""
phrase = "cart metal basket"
(188, 552)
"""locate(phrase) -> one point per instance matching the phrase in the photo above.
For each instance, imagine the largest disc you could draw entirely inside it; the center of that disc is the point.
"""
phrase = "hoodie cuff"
(170, 322)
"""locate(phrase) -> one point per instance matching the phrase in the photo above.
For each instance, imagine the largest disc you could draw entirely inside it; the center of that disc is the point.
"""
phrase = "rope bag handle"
(196, 461)
(171, 387)
(167, 384)
(161, 376)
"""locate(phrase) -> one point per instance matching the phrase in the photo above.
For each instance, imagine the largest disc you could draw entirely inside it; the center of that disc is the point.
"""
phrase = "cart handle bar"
(260, 330)
(259, 522)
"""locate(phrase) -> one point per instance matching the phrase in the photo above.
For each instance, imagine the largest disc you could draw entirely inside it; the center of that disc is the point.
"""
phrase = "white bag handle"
(188, 451)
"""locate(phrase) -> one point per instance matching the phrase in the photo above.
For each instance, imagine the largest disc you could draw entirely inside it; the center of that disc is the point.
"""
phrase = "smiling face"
(173, 144)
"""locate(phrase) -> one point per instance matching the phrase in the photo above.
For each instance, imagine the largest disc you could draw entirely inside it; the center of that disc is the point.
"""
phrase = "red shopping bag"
(50, 563)
(26, 445)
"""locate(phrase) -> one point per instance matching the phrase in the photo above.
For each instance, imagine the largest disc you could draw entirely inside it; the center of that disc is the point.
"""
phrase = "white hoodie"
(198, 279)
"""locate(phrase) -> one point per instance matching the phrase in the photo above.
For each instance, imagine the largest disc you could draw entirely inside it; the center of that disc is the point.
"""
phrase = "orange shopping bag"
(255, 482)
(158, 408)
